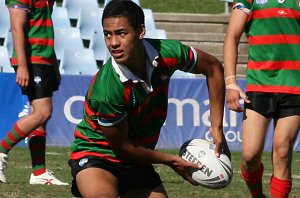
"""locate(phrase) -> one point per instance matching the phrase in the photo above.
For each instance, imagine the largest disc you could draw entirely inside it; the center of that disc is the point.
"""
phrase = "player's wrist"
(232, 86)
(216, 127)
(231, 79)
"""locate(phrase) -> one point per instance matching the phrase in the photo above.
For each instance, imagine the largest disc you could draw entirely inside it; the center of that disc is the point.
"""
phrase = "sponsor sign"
(188, 113)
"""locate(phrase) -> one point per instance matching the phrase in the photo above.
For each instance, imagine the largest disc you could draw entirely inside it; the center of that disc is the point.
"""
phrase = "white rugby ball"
(216, 172)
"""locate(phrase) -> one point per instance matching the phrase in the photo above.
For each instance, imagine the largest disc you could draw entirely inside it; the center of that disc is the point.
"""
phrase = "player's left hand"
(183, 167)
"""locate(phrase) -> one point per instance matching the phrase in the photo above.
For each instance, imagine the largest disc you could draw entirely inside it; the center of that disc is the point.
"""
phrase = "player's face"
(121, 39)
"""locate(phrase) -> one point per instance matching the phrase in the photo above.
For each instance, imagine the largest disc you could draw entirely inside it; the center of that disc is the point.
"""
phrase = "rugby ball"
(216, 172)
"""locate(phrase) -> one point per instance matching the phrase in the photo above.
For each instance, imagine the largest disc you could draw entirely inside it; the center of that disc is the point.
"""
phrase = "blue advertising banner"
(12, 104)
(188, 113)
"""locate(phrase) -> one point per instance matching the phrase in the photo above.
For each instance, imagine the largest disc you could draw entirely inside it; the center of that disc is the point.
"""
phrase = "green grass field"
(179, 6)
(19, 169)
(186, 6)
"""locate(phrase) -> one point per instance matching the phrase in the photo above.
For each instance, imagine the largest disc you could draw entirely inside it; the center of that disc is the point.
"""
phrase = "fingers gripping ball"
(216, 173)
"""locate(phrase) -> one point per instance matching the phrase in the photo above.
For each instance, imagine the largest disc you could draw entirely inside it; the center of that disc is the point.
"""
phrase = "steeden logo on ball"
(216, 172)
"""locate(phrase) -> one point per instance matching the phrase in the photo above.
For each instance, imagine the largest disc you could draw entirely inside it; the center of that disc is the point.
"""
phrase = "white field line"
(295, 176)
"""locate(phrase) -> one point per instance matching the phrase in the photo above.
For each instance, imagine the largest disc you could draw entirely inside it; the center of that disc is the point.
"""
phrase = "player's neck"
(138, 66)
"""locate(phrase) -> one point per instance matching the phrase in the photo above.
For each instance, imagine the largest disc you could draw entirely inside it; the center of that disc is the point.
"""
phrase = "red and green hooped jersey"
(39, 30)
(115, 93)
(274, 45)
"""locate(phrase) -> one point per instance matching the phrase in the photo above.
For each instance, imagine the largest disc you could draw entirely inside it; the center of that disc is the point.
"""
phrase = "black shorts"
(42, 81)
(275, 105)
(130, 177)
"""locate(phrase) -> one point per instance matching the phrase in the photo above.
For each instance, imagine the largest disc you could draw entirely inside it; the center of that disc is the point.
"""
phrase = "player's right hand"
(22, 77)
(233, 95)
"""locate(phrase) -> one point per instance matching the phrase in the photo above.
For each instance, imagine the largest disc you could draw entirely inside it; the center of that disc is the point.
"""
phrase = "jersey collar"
(125, 74)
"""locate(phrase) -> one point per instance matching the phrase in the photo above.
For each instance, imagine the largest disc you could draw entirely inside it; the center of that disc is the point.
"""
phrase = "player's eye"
(107, 34)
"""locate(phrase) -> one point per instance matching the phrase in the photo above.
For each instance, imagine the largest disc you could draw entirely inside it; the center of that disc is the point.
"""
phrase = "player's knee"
(250, 160)
(281, 153)
(46, 117)
(43, 115)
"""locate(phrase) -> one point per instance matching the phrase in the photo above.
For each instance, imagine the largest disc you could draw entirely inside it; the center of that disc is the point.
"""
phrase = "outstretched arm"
(211, 67)
(136, 153)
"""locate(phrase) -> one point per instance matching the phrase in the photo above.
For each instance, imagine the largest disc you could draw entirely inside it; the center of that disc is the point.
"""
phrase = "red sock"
(13, 137)
(37, 147)
(254, 181)
(280, 188)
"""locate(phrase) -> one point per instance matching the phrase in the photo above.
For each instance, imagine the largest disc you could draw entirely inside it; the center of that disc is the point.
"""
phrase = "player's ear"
(142, 31)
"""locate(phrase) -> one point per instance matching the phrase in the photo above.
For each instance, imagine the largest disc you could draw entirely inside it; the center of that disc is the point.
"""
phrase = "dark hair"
(125, 8)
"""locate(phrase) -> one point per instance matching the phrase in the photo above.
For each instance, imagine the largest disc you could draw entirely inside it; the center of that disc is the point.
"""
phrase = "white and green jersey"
(115, 93)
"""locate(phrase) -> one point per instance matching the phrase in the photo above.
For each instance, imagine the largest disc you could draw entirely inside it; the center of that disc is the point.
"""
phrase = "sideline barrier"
(188, 114)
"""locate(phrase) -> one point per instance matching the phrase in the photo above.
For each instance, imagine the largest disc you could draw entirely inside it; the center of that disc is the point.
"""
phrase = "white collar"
(125, 74)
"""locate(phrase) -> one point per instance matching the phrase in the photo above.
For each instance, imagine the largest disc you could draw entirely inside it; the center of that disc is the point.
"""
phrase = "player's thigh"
(96, 182)
(285, 133)
(41, 104)
(254, 131)
(157, 192)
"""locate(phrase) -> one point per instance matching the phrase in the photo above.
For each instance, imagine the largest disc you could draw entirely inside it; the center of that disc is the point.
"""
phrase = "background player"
(273, 87)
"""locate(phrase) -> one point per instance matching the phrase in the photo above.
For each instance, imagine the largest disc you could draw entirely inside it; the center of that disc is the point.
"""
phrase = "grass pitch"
(19, 169)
